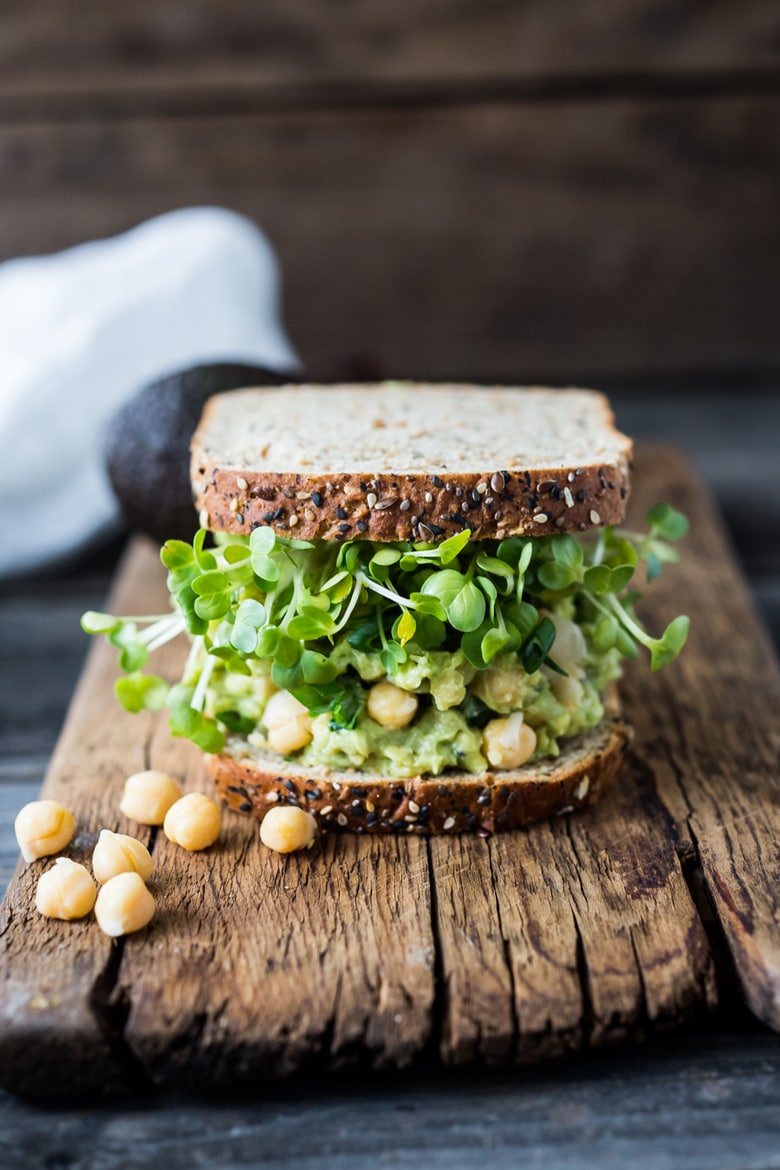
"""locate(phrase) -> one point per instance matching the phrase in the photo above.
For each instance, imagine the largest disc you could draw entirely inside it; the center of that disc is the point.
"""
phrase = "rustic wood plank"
(57, 985)
(159, 43)
(264, 965)
(654, 969)
(477, 983)
(313, 959)
(579, 932)
(708, 728)
(585, 927)
(497, 241)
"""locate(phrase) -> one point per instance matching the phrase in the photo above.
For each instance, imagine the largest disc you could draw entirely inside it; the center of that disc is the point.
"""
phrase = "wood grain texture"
(711, 726)
(578, 933)
(161, 43)
(491, 241)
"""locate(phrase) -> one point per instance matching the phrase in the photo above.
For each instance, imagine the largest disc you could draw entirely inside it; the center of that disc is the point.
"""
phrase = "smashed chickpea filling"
(437, 711)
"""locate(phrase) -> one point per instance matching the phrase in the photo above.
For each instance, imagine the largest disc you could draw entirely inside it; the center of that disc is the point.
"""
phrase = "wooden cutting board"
(579, 932)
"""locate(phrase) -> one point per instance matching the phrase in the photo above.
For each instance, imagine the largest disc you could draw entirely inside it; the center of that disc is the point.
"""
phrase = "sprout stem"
(192, 658)
(164, 631)
(375, 587)
(351, 605)
(199, 695)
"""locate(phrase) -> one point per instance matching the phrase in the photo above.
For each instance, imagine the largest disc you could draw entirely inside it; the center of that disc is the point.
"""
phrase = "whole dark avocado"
(147, 445)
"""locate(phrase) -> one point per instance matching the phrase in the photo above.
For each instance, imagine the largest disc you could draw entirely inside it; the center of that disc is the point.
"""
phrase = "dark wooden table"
(709, 1098)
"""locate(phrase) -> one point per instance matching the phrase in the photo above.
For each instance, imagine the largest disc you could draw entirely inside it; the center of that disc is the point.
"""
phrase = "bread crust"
(492, 502)
(491, 802)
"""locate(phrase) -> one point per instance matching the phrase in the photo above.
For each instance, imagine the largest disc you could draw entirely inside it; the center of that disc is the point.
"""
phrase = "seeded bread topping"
(409, 462)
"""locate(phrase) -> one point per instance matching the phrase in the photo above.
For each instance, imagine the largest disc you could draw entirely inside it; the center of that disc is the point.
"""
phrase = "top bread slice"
(409, 461)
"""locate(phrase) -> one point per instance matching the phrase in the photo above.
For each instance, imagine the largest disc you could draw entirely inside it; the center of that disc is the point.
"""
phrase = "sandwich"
(408, 605)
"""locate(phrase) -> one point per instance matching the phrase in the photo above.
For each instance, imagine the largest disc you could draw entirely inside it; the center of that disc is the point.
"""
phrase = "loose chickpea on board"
(193, 822)
(148, 795)
(117, 853)
(42, 828)
(286, 829)
(65, 891)
(124, 905)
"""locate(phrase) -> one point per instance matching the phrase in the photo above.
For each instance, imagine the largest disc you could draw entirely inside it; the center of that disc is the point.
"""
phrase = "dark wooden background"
(496, 190)
(516, 191)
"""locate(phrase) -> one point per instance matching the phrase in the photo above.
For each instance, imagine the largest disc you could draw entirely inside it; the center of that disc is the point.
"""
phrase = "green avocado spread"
(455, 702)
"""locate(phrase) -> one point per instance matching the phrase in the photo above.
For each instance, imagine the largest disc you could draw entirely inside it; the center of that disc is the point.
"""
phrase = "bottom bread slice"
(251, 781)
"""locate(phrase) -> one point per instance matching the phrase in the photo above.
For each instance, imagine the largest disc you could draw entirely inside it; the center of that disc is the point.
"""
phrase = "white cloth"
(82, 330)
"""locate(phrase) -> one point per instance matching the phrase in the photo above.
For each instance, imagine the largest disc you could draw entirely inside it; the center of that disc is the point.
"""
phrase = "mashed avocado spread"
(455, 701)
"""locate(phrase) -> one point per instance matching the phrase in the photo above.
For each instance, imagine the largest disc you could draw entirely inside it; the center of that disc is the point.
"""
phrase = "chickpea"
(147, 797)
(124, 905)
(569, 647)
(286, 828)
(287, 723)
(390, 706)
(193, 822)
(508, 742)
(43, 827)
(567, 690)
(65, 891)
(117, 853)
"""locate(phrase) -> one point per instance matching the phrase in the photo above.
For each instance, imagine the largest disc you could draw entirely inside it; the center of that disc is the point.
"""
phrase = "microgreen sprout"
(286, 604)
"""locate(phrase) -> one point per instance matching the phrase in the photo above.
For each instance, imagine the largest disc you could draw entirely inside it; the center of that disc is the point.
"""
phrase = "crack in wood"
(109, 1004)
(515, 1036)
(437, 1038)
(583, 975)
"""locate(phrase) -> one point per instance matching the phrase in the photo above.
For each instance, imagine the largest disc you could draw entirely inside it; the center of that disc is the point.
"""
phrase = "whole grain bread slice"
(252, 780)
(409, 461)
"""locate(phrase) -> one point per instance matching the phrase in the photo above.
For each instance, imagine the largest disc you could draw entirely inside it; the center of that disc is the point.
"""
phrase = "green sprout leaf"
(467, 609)
(450, 548)
(93, 622)
(556, 576)
(133, 654)
(392, 656)
(671, 642)
(137, 691)
(666, 522)
(597, 578)
(311, 623)
(177, 555)
(262, 540)
(188, 723)
(568, 553)
(205, 560)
